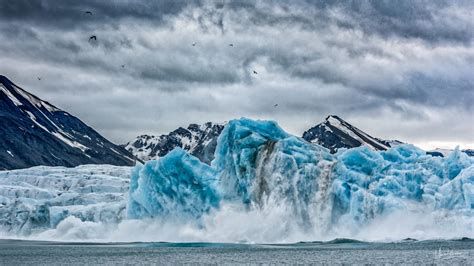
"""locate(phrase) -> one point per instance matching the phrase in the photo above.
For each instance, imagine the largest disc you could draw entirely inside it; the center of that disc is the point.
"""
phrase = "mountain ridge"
(335, 133)
(198, 140)
(147, 147)
(35, 132)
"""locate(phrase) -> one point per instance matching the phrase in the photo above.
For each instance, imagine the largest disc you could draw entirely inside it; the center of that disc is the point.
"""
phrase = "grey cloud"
(71, 13)
(429, 20)
(401, 60)
(413, 19)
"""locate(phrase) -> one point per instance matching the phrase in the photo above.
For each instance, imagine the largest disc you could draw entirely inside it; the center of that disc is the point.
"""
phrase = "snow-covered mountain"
(335, 133)
(199, 140)
(34, 132)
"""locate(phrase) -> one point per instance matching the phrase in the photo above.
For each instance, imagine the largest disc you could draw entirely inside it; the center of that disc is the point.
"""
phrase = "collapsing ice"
(260, 167)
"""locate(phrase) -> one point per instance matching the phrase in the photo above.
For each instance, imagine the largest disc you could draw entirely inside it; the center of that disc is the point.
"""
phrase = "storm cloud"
(397, 69)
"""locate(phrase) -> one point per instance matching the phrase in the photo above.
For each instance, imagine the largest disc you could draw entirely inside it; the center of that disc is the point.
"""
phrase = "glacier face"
(39, 198)
(264, 169)
(264, 185)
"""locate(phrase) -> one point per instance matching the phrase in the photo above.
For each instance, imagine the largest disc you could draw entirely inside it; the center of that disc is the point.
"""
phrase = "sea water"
(339, 251)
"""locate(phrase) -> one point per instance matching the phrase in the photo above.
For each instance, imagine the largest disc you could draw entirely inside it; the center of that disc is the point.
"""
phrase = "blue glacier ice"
(259, 163)
(367, 183)
(261, 167)
(264, 185)
(178, 185)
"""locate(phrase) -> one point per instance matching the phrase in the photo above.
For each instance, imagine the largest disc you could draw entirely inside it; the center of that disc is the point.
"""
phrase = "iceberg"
(264, 185)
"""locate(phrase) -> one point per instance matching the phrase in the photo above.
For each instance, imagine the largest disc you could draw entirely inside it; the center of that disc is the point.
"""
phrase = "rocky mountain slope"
(335, 133)
(199, 140)
(34, 132)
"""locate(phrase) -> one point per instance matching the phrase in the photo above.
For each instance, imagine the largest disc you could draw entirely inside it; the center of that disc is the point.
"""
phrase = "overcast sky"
(396, 69)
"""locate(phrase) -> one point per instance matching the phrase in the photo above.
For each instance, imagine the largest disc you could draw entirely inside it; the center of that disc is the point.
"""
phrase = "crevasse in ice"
(260, 166)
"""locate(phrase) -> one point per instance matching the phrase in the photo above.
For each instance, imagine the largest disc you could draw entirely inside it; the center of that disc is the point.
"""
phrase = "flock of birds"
(94, 38)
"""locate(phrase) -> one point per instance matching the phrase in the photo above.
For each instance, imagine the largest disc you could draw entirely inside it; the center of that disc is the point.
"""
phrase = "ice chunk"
(236, 153)
(456, 162)
(261, 165)
(459, 192)
(176, 186)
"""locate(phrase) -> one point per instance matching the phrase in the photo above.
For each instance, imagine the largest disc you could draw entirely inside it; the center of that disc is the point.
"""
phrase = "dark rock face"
(435, 153)
(469, 152)
(335, 133)
(34, 132)
(446, 152)
(198, 140)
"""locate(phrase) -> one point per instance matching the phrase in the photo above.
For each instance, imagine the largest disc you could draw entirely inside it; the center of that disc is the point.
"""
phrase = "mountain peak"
(335, 133)
(198, 140)
(7, 83)
(3, 78)
(21, 97)
(331, 117)
(35, 132)
(336, 120)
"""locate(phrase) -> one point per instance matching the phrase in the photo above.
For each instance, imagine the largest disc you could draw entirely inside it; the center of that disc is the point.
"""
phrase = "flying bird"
(231, 44)
(255, 72)
(39, 78)
(276, 105)
(89, 13)
(93, 37)
(123, 66)
(194, 43)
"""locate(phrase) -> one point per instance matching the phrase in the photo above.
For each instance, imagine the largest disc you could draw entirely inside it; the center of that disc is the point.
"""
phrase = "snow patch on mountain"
(335, 133)
(10, 95)
(198, 140)
(39, 133)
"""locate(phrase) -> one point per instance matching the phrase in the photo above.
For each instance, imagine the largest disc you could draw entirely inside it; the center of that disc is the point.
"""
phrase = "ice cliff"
(261, 167)
(39, 198)
(264, 185)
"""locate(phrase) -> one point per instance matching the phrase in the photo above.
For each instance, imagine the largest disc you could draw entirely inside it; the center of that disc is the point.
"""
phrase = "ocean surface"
(339, 251)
